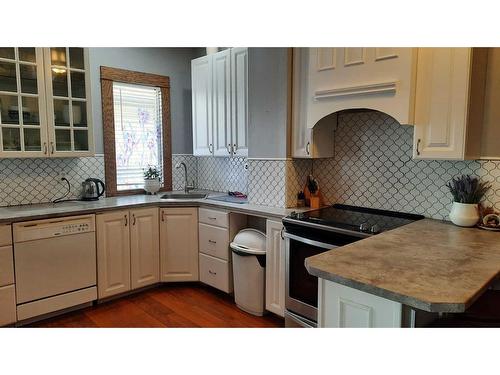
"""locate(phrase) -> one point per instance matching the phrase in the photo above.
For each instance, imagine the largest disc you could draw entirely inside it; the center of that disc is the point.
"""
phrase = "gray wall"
(267, 102)
(172, 62)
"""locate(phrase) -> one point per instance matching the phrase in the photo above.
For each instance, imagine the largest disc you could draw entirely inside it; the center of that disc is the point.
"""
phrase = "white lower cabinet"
(7, 305)
(216, 272)
(340, 306)
(275, 268)
(179, 244)
(127, 250)
(144, 247)
(217, 229)
(6, 265)
(7, 287)
(113, 253)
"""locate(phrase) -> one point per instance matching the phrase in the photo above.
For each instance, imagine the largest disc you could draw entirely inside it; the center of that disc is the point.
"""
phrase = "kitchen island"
(428, 266)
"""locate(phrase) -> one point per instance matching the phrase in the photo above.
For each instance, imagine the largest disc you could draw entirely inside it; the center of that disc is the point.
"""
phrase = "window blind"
(138, 133)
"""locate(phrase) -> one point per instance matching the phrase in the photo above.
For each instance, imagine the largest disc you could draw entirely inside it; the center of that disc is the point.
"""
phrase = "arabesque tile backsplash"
(28, 181)
(372, 167)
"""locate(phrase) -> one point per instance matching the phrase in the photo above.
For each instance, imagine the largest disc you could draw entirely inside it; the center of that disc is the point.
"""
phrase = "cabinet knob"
(212, 272)
(212, 241)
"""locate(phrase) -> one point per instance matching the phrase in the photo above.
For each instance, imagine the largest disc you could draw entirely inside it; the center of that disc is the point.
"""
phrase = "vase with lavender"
(467, 192)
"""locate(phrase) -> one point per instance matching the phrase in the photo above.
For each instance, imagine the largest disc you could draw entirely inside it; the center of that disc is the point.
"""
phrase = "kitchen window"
(138, 135)
(136, 123)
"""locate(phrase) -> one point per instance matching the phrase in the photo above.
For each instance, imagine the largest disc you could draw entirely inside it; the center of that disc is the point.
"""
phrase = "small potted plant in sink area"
(467, 193)
(152, 180)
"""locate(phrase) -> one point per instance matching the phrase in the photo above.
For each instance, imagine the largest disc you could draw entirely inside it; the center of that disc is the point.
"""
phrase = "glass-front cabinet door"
(45, 106)
(23, 121)
(68, 101)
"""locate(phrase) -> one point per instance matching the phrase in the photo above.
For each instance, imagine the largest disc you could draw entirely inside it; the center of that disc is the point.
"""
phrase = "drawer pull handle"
(212, 218)
(212, 272)
(212, 241)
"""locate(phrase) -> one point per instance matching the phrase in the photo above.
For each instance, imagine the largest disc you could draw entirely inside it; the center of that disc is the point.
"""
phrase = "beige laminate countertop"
(42, 211)
(430, 265)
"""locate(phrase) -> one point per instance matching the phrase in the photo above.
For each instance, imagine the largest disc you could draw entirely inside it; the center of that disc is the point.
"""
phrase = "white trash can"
(249, 270)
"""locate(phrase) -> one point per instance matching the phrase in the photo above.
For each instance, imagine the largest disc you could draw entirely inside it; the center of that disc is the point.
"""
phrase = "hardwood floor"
(172, 305)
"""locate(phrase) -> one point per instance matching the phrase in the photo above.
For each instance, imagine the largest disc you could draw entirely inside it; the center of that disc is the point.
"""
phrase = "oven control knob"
(375, 229)
(363, 227)
(293, 215)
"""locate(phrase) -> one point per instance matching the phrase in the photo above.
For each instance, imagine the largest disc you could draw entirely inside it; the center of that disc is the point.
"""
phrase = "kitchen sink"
(172, 195)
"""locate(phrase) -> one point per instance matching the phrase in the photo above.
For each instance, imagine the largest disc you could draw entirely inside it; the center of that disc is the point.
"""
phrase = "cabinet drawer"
(7, 305)
(5, 235)
(214, 241)
(6, 266)
(214, 217)
(216, 272)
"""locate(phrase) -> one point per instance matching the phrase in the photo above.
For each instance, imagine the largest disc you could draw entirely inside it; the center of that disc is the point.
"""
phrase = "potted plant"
(152, 180)
(467, 192)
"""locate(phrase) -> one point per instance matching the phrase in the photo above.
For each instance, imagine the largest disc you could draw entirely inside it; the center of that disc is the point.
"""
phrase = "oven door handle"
(309, 242)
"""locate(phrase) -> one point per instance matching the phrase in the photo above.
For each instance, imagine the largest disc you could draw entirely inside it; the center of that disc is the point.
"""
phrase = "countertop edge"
(393, 296)
(191, 203)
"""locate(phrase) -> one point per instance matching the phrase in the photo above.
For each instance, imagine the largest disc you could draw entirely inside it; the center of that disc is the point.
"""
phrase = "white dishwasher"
(55, 264)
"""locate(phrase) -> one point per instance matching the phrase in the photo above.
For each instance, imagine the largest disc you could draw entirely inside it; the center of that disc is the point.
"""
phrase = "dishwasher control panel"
(50, 228)
(75, 228)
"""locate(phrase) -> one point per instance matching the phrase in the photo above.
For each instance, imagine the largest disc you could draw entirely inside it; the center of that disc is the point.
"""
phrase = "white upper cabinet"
(45, 102)
(449, 103)
(23, 132)
(439, 90)
(221, 96)
(307, 142)
(220, 110)
(68, 101)
(239, 101)
(347, 78)
(201, 82)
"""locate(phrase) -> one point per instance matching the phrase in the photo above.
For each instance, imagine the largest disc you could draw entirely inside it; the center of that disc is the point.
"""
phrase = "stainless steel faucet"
(187, 187)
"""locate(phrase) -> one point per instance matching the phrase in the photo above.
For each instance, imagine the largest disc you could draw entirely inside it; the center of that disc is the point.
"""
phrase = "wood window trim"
(108, 76)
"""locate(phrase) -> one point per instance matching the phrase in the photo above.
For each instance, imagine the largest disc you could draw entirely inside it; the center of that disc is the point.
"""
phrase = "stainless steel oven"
(313, 232)
(301, 288)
